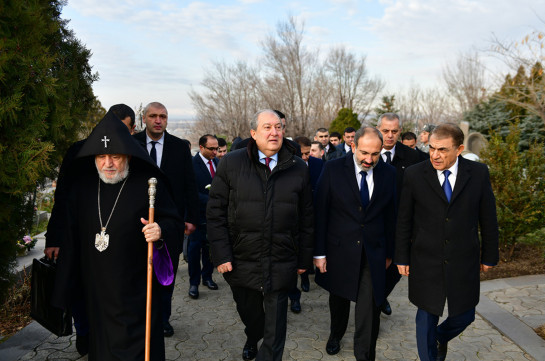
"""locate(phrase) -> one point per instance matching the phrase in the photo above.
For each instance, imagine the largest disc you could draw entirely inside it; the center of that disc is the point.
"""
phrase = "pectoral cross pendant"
(102, 240)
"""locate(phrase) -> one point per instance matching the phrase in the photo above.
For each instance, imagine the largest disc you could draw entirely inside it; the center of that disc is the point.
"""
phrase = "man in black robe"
(105, 244)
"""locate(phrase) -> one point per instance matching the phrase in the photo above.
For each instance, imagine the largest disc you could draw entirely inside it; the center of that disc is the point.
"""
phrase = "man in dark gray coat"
(445, 203)
(260, 228)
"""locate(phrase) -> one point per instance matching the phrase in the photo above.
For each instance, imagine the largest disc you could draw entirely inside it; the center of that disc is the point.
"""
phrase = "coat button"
(447, 219)
(361, 225)
(358, 242)
(360, 209)
(446, 262)
(446, 241)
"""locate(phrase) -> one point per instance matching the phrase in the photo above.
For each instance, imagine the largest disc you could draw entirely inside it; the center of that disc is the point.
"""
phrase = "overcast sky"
(148, 50)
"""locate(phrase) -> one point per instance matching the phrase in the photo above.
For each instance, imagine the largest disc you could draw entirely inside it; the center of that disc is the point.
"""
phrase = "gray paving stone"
(209, 328)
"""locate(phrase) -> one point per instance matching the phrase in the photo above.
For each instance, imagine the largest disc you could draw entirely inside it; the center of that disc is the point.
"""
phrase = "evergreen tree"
(45, 91)
(507, 106)
(518, 181)
(386, 106)
(345, 118)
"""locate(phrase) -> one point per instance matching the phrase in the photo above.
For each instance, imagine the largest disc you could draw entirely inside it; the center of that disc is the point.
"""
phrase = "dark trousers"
(428, 333)
(265, 317)
(367, 318)
(167, 292)
(197, 251)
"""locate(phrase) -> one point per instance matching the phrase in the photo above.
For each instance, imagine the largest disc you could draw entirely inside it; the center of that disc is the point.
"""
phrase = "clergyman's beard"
(118, 177)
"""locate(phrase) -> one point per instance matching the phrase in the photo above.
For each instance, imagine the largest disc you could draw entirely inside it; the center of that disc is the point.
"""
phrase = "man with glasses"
(446, 202)
(204, 165)
(173, 156)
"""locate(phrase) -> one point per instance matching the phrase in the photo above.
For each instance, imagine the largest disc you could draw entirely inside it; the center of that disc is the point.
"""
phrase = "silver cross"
(105, 140)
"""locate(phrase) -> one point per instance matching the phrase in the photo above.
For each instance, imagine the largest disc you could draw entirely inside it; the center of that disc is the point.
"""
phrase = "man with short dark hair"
(335, 138)
(348, 139)
(316, 149)
(410, 140)
(173, 156)
(204, 166)
(446, 202)
(355, 211)
(222, 148)
(330, 150)
(261, 231)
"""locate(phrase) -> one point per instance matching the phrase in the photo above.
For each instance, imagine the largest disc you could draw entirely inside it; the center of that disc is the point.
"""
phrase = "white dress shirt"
(452, 176)
(206, 163)
(274, 159)
(158, 147)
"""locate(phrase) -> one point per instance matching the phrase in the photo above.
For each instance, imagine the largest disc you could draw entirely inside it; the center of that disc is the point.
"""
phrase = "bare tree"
(232, 97)
(352, 87)
(291, 69)
(409, 107)
(465, 81)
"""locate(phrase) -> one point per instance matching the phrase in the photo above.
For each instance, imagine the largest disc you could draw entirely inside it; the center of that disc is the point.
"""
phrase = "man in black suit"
(400, 156)
(173, 157)
(348, 139)
(315, 166)
(204, 165)
(330, 151)
(410, 140)
(444, 204)
(355, 214)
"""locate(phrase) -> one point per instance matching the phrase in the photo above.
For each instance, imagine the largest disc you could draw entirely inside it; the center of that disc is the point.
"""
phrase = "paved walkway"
(210, 329)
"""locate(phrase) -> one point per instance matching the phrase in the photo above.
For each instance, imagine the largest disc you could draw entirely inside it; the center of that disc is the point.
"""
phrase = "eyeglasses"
(212, 149)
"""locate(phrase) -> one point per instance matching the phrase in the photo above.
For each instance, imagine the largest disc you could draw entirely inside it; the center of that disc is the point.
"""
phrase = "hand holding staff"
(151, 192)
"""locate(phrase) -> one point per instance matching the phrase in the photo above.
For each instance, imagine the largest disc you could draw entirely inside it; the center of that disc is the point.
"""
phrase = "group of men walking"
(361, 212)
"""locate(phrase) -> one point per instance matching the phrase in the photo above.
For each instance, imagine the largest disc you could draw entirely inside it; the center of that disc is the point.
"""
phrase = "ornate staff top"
(151, 191)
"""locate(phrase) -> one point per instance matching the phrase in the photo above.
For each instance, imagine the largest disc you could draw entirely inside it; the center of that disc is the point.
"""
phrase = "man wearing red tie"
(204, 165)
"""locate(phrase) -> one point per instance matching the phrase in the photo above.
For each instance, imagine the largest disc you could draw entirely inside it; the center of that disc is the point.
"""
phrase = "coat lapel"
(430, 175)
(463, 176)
(378, 175)
(350, 176)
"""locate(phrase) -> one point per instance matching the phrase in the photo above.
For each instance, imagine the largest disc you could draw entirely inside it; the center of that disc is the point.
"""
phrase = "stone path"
(209, 328)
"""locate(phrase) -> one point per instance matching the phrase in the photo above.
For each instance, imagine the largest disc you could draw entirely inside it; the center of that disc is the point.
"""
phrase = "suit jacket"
(345, 232)
(315, 167)
(440, 240)
(341, 151)
(177, 166)
(331, 153)
(203, 178)
(404, 157)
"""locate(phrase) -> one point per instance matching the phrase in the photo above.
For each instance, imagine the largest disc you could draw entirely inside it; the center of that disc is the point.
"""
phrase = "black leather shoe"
(82, 344)
(333, 346)
(168, 330)
(441, 351)
(305, 283)
(249, 352)
(194, 292)
(385, 308)
(210, 284)
(295, 306)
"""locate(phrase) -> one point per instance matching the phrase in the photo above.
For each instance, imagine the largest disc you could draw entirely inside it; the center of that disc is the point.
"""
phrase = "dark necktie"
(446, 185)
(364, 190)
(153, 152)
(388, 157)
(267, 162)
(212, 173)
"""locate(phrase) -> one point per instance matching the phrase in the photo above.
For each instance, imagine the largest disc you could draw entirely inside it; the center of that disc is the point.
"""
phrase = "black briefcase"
(58, 321)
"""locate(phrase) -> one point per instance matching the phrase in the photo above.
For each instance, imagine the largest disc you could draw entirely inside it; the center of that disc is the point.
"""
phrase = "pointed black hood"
(111, 136)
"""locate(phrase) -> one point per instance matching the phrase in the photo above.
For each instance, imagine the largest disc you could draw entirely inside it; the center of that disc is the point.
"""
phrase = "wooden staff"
(151, 192)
